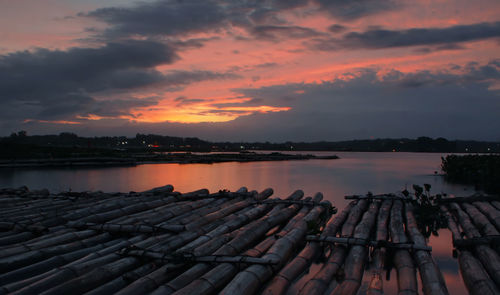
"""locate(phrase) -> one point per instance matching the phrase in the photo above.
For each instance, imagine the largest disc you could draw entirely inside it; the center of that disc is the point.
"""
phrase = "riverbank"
(177, 158)
(482, 171)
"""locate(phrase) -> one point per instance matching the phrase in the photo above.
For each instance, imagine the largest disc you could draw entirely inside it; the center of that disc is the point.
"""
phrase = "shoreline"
(175, 158)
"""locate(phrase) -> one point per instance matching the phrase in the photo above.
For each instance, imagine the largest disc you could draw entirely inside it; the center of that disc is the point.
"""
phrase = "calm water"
(354, 173)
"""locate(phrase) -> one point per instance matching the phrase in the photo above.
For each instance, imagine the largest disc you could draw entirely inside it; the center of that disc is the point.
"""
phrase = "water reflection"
(354, 173)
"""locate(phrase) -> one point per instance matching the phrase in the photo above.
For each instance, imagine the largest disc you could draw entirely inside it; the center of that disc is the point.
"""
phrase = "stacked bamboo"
(475, 225)
(243, 242)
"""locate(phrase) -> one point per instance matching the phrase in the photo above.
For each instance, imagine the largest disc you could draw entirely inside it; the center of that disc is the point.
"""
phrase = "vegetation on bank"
(482, 171)
(60, 145)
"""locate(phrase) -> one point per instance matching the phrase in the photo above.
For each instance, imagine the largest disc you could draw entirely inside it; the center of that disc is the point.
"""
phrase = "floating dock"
(243, 242)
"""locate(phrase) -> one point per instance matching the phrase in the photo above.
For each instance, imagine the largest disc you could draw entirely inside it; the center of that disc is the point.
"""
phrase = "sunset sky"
(252, 70)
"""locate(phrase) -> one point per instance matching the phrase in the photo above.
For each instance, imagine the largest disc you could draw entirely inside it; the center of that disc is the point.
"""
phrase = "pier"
(244, 242)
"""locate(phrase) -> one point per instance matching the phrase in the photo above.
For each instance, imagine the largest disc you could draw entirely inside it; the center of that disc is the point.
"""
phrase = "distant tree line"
(20, 142)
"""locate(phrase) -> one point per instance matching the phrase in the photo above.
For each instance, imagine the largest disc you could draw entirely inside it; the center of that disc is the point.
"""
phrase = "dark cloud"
(288, 4)
(276, 33)
(450, 104)
(162, 18)
(177, 19)
(267, 65)
(443, 38)
(49, 84)
(336, 28)
(354, 9)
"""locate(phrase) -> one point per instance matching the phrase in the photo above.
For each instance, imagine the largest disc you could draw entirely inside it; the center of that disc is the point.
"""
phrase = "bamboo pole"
(144, 284)
(130, 228)
(187, 258)
(432, 279)
(250, 280)
(252, 233)
(320, 281)
(95, 278)
(490, 211)
(367, 243)
(124, 280)
(480, 220)
(160, 190)
(495, 204)
(77, 268)
(356, 258)
(488, 257)
(406, 273)
(475, 198)
(237, 220)
(36, 255)
(476, 279)
(51, 263)
(376, 282)
(20, 248)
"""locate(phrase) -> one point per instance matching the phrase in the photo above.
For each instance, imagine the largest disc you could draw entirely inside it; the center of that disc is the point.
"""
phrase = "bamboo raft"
(475, 224)
(244, 242)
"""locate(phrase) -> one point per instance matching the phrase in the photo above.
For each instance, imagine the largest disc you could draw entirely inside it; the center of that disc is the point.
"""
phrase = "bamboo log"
(354, 217)
(30, 257)
(250, 280)
(281, 282)
(368, 242)
(124, 280)
(406, 273)
(356, 258)
(475, 277)
(320, 281)
(496, 204)
(185, 258)
(185, 278)
(490, 211)
(16, 238)
(480, 220)
(237, 220)
(95, 277)
(77, 268)
(432, 280)
(253, 232)
(376, 282)
(202, 226)
(488, 257)
(129, 228)
(55, 261)
(161, 190)
(197, 213)
(68, 237)
(475, 198)
(380, 197)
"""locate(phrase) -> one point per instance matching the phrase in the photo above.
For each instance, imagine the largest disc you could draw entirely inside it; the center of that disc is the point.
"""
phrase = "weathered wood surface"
(475, 277)
(355, 260)
(164, 242)
(405, 266)
(376, 282)
(488, 256)
(432, 279)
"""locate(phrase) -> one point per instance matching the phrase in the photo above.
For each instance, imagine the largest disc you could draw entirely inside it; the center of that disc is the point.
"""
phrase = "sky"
(261, 70)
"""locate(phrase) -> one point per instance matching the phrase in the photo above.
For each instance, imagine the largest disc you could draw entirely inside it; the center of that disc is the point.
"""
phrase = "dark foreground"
(164, 242)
